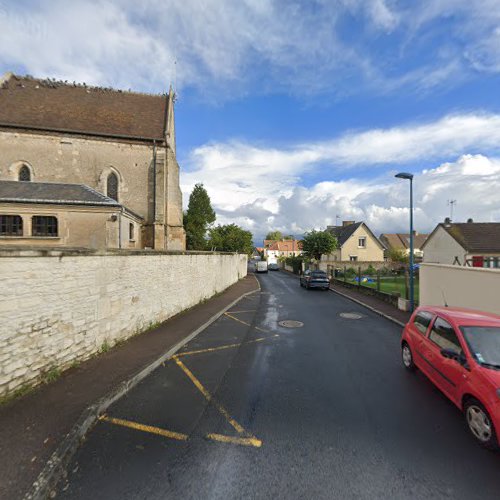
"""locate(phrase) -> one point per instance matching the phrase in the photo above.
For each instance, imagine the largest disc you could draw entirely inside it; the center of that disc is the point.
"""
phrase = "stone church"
(87, 167)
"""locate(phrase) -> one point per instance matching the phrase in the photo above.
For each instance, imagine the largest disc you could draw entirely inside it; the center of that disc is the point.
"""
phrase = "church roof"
(55, 193)
(34, 104)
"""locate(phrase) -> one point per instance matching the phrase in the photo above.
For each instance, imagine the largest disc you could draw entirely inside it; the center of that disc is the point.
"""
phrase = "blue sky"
(292, 113)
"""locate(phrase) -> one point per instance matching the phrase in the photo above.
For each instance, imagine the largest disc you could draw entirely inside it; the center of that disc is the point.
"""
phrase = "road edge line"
(55, 467)
(380, 313)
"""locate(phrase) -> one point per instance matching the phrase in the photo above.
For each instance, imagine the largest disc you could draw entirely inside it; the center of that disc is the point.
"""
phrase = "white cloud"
(264, 188)
(225, 48)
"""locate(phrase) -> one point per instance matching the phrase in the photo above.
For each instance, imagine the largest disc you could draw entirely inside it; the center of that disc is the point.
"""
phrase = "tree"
(274, 235)
(398, 256)
(230, 238)
(198, 218)
(317, 243)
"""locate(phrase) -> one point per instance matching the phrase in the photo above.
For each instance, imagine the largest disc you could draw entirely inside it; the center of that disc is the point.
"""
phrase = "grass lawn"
(389, 284)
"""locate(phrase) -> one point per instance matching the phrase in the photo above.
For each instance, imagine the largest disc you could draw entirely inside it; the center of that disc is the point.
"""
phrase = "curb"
(55, 468)
(380, 313)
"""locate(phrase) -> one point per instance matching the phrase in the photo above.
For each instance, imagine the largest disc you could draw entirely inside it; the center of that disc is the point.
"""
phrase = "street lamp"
(406, 175)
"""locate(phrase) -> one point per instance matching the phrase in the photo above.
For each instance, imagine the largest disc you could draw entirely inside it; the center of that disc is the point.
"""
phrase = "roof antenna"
(444, 298)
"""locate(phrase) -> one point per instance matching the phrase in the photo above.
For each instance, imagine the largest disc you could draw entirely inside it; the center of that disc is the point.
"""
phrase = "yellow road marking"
(235, 425)
(144, 428)
(236, 440)
(241, 312)
(237, 319)
(228, 346)
(245, 323)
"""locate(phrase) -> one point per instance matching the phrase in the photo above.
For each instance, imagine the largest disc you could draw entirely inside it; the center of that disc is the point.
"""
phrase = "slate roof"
(29, 103)
(48, 192)
(475, 236)
(56, 194)
(343, 233)
(401, 241)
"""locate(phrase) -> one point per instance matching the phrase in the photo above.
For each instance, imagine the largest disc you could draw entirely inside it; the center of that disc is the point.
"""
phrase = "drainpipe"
(120, 228)
(154, 190)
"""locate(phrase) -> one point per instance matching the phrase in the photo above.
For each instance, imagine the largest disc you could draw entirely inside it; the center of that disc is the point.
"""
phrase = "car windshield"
(484, 344)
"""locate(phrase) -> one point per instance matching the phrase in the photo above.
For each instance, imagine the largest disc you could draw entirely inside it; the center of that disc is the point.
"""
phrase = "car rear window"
(318, 274)
(422, 321)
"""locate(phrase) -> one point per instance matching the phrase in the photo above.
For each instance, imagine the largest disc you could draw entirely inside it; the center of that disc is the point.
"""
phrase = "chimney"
(447, 222)
(347, 223)
(470, 221)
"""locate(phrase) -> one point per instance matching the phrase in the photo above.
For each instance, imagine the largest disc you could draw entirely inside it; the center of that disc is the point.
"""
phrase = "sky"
(296, 115)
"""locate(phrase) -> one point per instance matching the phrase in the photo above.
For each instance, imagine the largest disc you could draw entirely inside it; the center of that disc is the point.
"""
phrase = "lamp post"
(406, 175)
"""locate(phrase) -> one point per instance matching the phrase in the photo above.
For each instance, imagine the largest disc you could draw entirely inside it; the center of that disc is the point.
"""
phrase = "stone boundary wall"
(471, 287)
(60, 307)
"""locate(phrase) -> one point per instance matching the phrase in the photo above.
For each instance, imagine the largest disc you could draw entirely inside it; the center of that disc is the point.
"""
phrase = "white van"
(261, 267)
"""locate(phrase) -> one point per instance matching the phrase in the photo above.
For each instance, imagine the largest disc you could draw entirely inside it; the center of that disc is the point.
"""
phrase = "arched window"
(112, 186)
(24, 174)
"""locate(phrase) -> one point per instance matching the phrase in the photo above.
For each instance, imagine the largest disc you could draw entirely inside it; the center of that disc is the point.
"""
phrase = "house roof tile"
(30, 103)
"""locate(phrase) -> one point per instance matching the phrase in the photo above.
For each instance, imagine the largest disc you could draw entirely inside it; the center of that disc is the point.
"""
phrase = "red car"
(459, 351)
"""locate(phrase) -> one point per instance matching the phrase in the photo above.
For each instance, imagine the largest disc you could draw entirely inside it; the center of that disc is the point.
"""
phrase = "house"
(356, 244)
(470, 243)
(68, 215)
(400, 241)
(90, 154)
(284, 248)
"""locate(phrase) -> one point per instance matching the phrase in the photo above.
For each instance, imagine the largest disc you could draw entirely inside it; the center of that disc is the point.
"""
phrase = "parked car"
(261, 266)
(273, 267)
(459, 351)
(315, 279)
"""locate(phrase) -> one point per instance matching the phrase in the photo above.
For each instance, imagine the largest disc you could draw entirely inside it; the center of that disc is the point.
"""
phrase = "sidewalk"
(32, 427)
(377, 305)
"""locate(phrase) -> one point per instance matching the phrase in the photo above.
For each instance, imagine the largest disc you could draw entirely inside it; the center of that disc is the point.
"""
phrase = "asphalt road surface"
(325, 410)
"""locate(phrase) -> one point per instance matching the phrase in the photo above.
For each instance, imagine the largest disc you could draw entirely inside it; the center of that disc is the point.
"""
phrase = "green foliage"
(295, 262)
(317, 243)
(198, 218)
(230, 238)
(52, 375)
(274, 235)
(370, 271)
(397, 255)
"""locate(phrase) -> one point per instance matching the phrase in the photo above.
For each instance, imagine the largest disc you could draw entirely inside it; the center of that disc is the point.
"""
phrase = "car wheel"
(407, 358)
(480, 424)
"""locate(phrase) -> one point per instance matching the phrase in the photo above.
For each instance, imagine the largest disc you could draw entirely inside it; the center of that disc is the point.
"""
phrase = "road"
(263, 411)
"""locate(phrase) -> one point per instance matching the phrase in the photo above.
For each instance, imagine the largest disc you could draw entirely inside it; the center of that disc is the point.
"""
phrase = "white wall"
(57, 308)
(441, 248)
(472, 287)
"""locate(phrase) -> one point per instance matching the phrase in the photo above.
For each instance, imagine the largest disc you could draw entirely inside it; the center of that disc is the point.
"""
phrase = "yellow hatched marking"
(236, 440)
(245, 323)
(237, 319)
(220, 348)
(144, 428)
(235, 425)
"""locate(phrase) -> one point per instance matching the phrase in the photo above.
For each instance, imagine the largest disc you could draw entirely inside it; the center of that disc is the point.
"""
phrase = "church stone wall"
(77, 160)
(57, 308)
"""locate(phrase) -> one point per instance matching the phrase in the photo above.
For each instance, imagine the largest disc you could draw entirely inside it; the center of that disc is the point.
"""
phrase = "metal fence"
(392, 282)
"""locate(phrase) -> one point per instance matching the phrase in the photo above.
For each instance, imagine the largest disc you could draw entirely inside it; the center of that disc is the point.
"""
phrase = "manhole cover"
(350, 315)
(290, 323)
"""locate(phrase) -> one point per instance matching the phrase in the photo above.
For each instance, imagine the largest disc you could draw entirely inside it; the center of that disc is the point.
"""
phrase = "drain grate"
(290, 323)
(350, 315)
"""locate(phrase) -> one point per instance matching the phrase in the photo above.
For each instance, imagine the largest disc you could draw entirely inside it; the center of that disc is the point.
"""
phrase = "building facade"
(475, 244)
(119, 144)
(356, 243)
